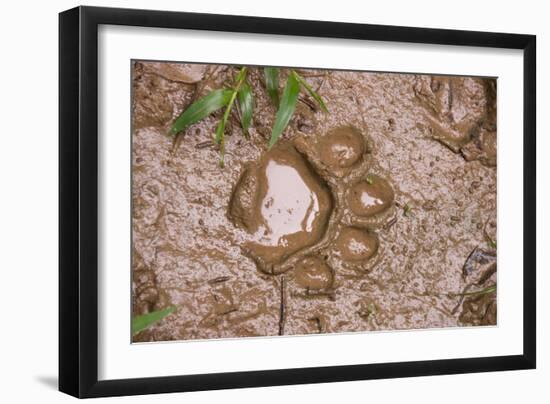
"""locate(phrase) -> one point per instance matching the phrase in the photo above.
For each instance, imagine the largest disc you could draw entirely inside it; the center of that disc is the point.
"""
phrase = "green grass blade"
(246, 104)
(139, 323)
(220, 139)
(272, 84)
(286, 108)
(241, 75)
(485, 291)
(220, 130)
(200, 109)
(310, 90)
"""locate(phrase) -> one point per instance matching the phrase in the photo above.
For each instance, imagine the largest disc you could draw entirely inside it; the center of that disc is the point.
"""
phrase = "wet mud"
(380, 215)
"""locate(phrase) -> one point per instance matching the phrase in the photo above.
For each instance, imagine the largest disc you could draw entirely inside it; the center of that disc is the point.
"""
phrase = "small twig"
(462, 296)
(199, 85)
(308, 103)
(489, 289)
(282, 313)
(320, 86)
(465, 293)
(390, 223)
(204, 145)
(309, 293)
(318, 323)
(226, 312)
(219, 279)
(330, 293)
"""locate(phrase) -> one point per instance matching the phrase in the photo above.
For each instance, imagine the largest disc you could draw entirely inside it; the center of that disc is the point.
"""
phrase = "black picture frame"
(78, 201)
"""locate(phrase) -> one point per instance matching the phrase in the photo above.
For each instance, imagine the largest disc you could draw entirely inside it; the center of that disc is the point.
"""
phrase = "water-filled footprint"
(283, 205)
(370, 196)
(313, 273)
(310, 202)
(354, 244)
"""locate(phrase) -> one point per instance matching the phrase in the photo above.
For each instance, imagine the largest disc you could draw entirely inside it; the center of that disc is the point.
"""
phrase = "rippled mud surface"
(380, 215)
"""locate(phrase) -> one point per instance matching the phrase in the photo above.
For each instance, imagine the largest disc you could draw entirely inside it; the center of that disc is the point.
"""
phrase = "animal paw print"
(311, 205)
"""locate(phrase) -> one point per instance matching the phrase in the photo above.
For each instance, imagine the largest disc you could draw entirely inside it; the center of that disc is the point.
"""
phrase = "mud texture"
(379, 215)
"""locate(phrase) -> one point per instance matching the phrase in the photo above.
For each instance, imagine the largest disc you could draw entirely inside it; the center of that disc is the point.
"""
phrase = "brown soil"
(378, 215)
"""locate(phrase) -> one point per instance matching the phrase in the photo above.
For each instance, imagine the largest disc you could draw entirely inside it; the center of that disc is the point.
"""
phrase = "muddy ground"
(391, 196)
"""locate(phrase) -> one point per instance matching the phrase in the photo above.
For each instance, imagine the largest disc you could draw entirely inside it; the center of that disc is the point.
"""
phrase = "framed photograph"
(251, 201)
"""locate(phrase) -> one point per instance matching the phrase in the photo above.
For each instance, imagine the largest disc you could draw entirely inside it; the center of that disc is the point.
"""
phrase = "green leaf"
(220, 139)
(220, 130)
(241, 76)
(139, 323)
(246, 104)
(310, 90)
(200, 109)
(286, 108)
(272, 84)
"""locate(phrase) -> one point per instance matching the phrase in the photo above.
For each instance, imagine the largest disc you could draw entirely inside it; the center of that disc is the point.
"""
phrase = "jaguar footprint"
(310, 201)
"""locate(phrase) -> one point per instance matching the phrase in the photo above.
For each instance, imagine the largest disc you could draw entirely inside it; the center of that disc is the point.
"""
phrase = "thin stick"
(205, 144)
(219, 279)
(330, 293)
(282, 313)
(317, 323)
(390, 223)
(308, 103)
(228, 311)
(199, 85)
(309, 294)
(462, 296)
